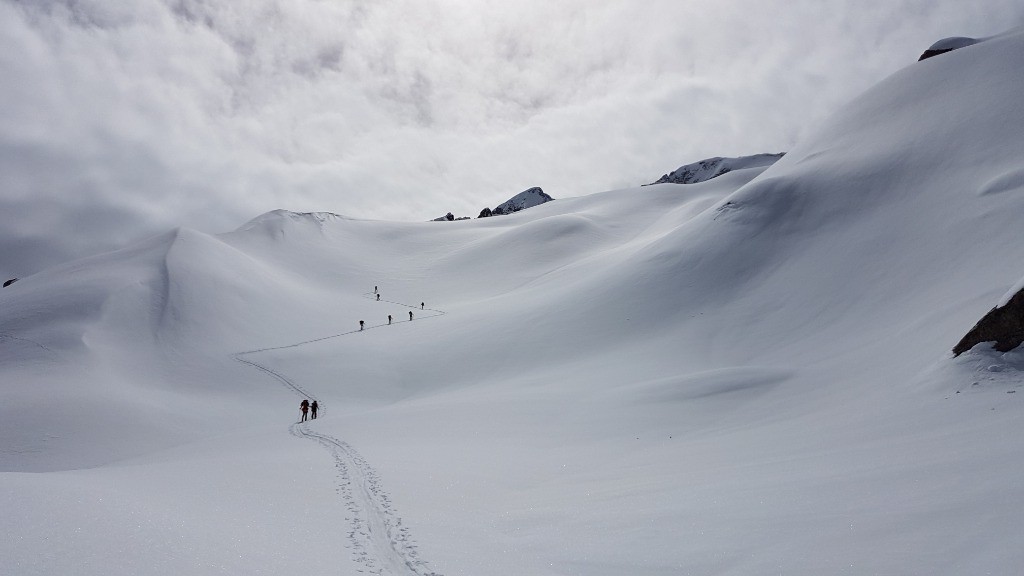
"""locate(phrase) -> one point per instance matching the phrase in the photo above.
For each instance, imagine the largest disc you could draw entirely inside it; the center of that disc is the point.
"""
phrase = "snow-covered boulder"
(714, 167)
(1002, 325)
(947, 45)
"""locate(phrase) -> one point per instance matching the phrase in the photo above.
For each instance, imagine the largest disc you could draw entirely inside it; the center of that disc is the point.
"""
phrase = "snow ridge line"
(379, 541)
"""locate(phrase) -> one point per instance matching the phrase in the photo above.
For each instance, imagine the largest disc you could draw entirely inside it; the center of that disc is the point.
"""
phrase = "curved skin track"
(379, 542)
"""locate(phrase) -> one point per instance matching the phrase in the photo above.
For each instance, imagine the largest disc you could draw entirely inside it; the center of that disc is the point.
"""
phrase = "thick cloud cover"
(119, 120)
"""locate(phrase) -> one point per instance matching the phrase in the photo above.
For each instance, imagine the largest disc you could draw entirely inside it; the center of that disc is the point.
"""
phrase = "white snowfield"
(747, 376)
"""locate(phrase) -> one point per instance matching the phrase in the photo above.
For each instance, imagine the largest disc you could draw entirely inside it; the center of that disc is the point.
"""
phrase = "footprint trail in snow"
(380, 543)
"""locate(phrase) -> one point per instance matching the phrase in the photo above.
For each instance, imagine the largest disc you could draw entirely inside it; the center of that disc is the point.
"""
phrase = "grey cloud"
(144, 115)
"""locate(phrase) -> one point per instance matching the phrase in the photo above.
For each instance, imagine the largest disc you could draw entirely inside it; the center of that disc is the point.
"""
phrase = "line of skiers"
(376, 292)
(309, 410)
(306, 407)
(362, 324)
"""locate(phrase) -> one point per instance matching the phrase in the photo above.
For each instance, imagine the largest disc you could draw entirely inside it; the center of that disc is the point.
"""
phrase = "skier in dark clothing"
(313, 408)
(304, 406)
(410, 315)
(422, 305)
(378, 297)
(360, 324)
(389, 319)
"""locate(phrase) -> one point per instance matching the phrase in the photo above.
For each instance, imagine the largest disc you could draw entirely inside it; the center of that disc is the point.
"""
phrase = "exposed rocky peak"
(947, 45)
(715, 167)
(526, 199)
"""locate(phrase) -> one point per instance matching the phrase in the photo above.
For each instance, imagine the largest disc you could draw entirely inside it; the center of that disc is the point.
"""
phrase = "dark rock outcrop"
(929, 53)
(1003, 325)
(485, 213)
(947, 45)
(9, 282)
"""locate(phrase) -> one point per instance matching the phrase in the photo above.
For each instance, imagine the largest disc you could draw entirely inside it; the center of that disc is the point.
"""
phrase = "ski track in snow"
(380, 543)
(370, 295)
(10, 337)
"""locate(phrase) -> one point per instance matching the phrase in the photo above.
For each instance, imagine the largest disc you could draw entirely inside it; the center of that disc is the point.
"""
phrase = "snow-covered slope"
(714, 167)
(753, 377)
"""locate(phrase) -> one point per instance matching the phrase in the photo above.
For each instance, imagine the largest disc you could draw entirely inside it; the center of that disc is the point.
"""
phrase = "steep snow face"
(906, 164)
(525, 199)
(714, 167)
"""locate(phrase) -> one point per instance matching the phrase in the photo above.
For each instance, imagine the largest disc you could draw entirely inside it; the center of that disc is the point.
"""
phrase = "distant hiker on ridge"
(389, 319)
(410, 315)
(374, 289)
(313, 408)
(422, 305)
(305, 408)
(378, 297)
(360, 324)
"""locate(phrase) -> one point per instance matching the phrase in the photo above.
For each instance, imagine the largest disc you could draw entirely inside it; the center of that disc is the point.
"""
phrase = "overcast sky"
(120, 120)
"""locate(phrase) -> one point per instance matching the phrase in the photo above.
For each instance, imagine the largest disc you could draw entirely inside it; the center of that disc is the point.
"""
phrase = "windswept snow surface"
(751, 376)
